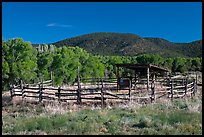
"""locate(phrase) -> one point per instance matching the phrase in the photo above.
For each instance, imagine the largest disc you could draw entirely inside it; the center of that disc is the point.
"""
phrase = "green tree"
(93, 68)
(196, 64)
(5, 67)
(22, 61)
(178, 65)
(44, 62)
(64, 66)
(168, 62)
(150, 59)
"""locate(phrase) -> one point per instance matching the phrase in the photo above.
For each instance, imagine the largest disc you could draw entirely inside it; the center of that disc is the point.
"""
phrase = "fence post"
(129, 91)
(186, 86)
(194, 87)
(40, 93)
(182, 82)
(98, 82)
(171, 82)
(22, 89)
(196, 83)
(117, 77)
(51, 77)
(79, 89)
(102, 97)
(59, 96)
(42, 90)
(79, 94)
(153, 88)
(148, 80)
(11, 91)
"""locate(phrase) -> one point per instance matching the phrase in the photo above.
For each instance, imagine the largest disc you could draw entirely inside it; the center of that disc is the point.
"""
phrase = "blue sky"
(47, 22)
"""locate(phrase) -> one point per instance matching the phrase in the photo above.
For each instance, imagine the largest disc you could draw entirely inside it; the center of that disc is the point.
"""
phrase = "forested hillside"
(130, 45)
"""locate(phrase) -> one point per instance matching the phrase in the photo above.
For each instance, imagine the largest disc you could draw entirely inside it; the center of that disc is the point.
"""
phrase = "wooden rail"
(104, 91)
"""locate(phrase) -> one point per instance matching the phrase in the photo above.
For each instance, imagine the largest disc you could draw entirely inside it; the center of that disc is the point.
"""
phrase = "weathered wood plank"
(33, 88)
(106, 93)
(49, 93)
(85, 94)
(178, 87)
(35, 92)
(95, 98)
(66, 94)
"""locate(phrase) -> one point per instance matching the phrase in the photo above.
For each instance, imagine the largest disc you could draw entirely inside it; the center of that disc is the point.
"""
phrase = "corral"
(145, 83)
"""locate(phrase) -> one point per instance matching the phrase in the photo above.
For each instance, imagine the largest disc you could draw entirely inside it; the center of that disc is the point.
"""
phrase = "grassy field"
(178, 117)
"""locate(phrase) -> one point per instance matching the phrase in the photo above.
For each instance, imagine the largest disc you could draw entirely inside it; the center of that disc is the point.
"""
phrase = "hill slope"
(130, 44)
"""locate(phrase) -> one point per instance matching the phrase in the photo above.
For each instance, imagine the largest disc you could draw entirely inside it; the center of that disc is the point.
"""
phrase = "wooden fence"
(105, 89)
(182, 87)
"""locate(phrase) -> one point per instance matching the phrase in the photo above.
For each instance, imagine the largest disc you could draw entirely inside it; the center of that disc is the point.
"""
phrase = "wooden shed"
(149, 70)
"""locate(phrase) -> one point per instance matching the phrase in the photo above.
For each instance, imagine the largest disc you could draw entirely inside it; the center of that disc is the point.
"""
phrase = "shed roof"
(143, 67)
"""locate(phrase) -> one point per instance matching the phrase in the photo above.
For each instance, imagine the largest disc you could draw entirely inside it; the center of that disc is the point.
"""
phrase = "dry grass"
(119, 118)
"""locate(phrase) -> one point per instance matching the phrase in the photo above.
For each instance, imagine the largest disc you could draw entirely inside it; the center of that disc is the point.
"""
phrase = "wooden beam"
(129, 91)
(11, 91)
(186, 86)
(172, 94)
(22, 90)
(59, 95)
(196, 83)
(79, 89)
(40, 93)
(148, 80)
(153, 87)
(117, 73)
(102, 95)
(135, 80)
